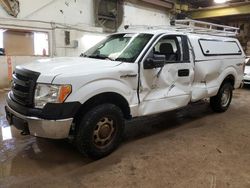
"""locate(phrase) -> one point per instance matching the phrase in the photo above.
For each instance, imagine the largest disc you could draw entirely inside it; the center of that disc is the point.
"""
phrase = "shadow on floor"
(45, 155)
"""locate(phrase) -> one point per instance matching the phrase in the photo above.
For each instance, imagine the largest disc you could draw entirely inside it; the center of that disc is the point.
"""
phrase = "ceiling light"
(220, 1)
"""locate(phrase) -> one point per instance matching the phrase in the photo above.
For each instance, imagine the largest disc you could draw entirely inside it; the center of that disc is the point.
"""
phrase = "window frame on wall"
(23, 31)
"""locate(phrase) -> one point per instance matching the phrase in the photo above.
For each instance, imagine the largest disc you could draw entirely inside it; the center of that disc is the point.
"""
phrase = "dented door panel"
(166, 88)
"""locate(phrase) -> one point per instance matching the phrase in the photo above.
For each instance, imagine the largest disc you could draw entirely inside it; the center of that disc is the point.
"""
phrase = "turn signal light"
(65, 90)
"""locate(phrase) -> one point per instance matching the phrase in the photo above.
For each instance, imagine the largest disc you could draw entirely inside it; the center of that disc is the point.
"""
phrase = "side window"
(171, 47)
(217, 47)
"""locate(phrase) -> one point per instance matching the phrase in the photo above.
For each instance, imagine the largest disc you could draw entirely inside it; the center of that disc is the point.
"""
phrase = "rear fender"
(214, 85)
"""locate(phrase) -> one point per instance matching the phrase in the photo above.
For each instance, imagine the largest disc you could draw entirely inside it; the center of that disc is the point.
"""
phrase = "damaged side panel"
(168, 87)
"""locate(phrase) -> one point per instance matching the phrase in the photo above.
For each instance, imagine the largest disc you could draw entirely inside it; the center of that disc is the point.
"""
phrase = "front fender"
(96, 87)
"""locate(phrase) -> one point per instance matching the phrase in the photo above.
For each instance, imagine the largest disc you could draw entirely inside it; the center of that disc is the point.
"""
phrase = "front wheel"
(100, 131)
(222, 100)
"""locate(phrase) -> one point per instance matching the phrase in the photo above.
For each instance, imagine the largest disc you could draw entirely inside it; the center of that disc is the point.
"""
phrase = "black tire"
(220, 104)
(104, 120)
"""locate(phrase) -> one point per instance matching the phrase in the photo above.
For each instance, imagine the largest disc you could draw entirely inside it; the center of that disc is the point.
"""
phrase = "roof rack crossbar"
(194, 26)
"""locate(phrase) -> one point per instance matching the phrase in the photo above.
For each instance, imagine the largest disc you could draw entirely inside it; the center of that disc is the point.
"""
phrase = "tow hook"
(25, 132)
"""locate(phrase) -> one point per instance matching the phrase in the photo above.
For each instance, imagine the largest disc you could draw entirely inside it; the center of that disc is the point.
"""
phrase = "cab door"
(166, 86)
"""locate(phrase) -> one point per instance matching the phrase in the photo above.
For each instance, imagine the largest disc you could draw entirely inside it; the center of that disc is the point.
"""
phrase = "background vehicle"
(247, 72)
(129, 74)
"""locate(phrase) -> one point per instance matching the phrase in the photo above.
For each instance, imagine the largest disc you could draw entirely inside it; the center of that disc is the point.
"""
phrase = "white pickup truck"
(127, 75)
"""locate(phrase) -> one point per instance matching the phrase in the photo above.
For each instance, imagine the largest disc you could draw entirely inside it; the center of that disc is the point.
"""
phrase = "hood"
(73, 65)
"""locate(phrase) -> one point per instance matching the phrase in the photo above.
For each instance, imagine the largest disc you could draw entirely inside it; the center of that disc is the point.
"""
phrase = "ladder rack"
(206, 27)
(193, 26)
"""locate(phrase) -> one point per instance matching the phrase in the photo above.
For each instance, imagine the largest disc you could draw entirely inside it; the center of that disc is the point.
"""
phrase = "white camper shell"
(138, 72)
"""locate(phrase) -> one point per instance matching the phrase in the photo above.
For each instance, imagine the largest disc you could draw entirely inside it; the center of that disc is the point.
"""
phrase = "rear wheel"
(100, 131)
(222, 100)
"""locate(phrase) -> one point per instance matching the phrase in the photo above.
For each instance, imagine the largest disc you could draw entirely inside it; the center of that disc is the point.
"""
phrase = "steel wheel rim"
(225, 98)
(104, 132)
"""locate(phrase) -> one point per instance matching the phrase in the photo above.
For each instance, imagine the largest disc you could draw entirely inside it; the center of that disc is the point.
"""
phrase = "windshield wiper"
(100, 57)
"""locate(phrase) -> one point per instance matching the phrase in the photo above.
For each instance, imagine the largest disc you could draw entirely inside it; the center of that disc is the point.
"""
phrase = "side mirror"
(154, 62)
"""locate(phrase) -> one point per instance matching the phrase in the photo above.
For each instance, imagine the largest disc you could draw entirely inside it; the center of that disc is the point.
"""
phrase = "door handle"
(183, 72)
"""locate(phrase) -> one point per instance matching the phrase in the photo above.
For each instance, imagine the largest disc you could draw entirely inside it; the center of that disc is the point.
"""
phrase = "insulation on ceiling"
(11, 7)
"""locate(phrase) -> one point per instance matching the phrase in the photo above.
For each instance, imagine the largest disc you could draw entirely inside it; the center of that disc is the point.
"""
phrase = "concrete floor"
(192, 147)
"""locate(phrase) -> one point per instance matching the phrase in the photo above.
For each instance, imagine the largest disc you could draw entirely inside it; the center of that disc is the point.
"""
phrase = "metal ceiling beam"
(165, 3)
(214, 12)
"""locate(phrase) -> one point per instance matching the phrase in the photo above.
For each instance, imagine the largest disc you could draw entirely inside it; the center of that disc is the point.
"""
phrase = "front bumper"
(55, 129)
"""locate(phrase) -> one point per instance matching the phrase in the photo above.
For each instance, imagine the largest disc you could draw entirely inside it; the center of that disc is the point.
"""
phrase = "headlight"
(46, 93)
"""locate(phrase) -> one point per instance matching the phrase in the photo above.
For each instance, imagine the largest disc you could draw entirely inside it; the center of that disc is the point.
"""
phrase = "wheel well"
(102, 98)
(230, 78)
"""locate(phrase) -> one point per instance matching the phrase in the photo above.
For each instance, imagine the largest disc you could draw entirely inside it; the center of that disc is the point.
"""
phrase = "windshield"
(119, 47)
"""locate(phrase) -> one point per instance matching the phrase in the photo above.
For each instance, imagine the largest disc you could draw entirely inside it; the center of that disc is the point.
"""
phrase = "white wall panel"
(75, 13)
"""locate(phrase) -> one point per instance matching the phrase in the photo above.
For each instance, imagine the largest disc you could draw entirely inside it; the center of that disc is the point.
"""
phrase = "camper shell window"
(218, 47)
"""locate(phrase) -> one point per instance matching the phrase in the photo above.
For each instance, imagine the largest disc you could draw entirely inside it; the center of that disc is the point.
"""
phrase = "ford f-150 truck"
(129, 74)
